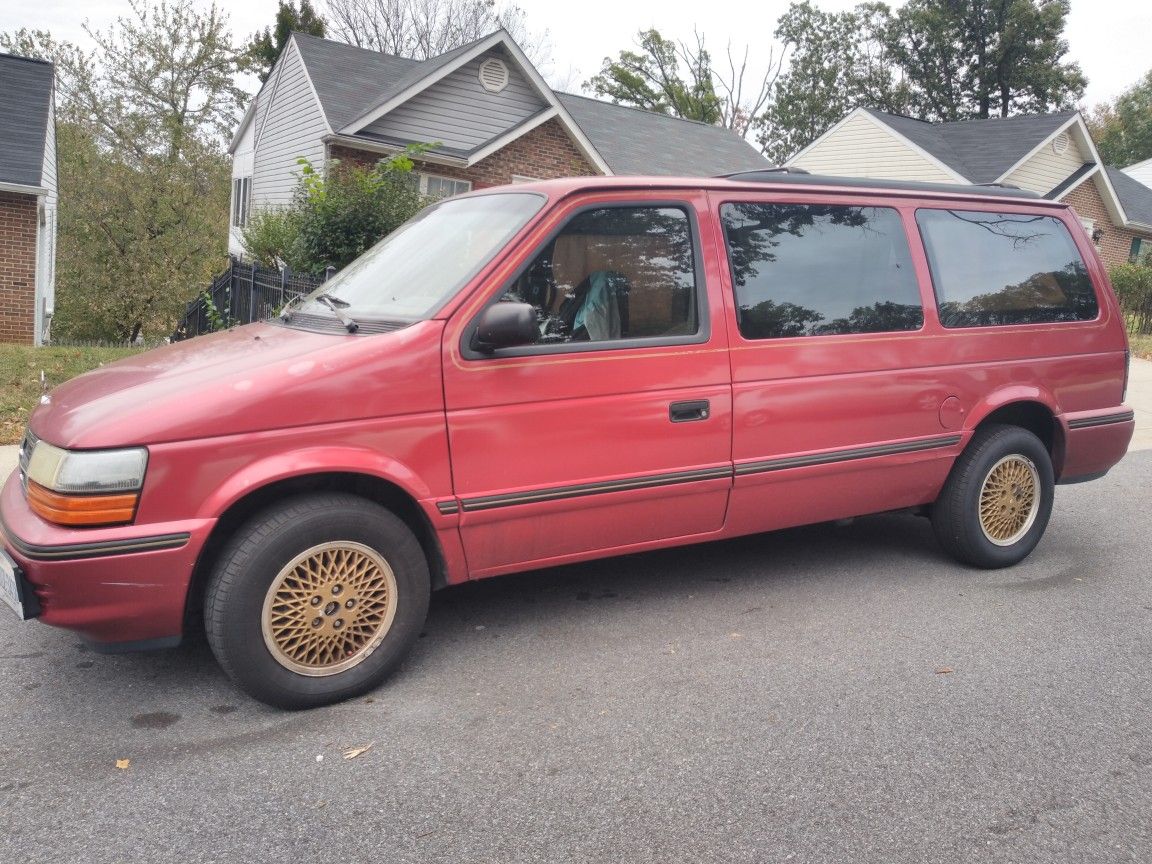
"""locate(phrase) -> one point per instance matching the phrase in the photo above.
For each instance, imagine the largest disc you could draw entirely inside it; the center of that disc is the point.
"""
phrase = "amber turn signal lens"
(87, 510)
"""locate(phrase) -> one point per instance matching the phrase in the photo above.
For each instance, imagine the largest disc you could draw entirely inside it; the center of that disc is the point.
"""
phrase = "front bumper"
(126, 584)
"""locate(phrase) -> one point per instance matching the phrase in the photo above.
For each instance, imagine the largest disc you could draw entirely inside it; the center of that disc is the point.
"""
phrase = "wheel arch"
(369, 486)
(1034, 413)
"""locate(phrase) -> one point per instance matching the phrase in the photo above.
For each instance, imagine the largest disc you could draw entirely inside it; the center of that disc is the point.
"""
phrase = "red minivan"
(559, 371)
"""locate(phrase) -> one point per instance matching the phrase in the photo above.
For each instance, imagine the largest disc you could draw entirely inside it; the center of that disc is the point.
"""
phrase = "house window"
(435, 186)
(241, 193)
(1140, 248)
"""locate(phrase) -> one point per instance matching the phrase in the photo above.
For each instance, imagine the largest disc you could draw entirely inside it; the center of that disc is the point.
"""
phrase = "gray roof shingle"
(981, 151)
(1135, 197)
(25, 99)
(633, 141)
(350, 81)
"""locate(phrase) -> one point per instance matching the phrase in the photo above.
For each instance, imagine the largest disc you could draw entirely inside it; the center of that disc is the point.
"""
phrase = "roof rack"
(779, 169)
(799, 177)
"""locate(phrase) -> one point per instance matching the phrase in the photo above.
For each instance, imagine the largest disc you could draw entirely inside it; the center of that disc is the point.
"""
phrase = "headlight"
(85, 487)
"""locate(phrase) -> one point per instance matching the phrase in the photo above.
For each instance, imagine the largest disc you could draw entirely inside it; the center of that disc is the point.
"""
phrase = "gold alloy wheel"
(1009, 499)
(329, 608)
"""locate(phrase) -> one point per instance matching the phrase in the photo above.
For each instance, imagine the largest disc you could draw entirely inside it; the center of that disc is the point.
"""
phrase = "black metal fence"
(242, 294)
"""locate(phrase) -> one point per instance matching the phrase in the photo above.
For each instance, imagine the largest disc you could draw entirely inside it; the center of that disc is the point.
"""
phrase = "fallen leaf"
(945, 670)
(735, 636)
(358, 751)
(123, 764)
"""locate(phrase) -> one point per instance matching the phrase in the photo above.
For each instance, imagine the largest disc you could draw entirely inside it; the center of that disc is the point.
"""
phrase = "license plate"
(10, 581)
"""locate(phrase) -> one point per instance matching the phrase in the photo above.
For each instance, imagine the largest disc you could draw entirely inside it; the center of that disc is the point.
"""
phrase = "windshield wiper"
(335, 303)
(285, 312)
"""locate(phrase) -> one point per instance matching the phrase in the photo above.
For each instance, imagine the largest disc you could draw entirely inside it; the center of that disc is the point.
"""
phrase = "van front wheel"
(316, 600)
(996, 502)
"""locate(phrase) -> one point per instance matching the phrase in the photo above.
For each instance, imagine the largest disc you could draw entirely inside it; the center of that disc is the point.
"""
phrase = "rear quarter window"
(995, 269)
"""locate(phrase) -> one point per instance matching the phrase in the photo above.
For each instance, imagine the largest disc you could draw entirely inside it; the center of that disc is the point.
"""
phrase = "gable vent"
(1060, 144)
(493, 75)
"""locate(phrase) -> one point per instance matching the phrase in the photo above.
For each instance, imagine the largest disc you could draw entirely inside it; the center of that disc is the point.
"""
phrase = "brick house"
(27, 199)
(1050, 154)
(493, 118)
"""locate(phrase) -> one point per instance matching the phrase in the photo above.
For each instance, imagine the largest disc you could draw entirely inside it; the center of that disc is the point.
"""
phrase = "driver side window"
(614, 273)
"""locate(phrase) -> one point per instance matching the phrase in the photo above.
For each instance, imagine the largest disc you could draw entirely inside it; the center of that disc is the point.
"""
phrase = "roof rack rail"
(799, 177)
(780, 169)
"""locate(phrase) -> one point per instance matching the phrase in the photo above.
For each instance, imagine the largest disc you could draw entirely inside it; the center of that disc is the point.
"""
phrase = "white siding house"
(1051, 164)
(484, 111)
(46, 236)
(284, 124)
(1051, 155)
(1141, 171)
(861, 146)
(460, 113)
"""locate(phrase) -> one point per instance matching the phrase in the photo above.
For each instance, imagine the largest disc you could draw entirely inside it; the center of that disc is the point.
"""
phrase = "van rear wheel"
(316, 600)
(997, 500)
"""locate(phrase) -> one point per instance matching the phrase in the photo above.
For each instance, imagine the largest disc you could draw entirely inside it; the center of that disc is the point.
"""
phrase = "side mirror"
(505, 325)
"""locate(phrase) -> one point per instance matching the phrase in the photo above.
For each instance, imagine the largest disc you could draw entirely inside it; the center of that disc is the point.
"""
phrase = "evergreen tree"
(966, 59)
(266, 46)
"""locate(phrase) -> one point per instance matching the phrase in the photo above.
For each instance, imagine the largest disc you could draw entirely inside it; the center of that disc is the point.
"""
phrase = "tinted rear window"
(819, 269)
(1004, 268)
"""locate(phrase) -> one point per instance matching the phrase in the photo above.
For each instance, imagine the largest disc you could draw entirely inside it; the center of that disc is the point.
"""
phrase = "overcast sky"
(1109, 38)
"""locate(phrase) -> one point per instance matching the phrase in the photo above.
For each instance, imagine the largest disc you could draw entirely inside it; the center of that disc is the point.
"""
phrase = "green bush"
(337, 215)
(270, 235)
(1133, 284)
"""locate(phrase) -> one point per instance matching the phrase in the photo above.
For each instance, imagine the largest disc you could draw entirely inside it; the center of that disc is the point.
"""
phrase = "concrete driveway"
(1139, 398)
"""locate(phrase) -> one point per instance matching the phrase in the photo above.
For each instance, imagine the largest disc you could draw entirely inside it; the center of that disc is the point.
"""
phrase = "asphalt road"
(823, 694)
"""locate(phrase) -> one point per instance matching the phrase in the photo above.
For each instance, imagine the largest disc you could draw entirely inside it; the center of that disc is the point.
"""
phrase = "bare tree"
(669, 77)
(739, 111)
(422, 29)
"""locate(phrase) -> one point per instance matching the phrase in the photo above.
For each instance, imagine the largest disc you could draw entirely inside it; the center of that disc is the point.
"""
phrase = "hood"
(253, 378)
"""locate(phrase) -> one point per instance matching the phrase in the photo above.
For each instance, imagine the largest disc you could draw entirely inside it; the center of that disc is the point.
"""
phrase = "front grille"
(25, 455)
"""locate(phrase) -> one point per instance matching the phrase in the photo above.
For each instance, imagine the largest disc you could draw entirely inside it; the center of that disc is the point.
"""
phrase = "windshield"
(421, 264)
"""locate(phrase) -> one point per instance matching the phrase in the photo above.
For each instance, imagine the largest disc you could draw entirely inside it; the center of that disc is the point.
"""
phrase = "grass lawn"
(20, 367)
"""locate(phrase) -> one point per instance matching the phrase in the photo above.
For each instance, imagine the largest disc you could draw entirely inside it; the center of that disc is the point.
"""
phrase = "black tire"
(1007, 527)
(347, 546)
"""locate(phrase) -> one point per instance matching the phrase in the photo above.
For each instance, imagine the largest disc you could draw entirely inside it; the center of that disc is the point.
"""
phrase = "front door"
(613, 430)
